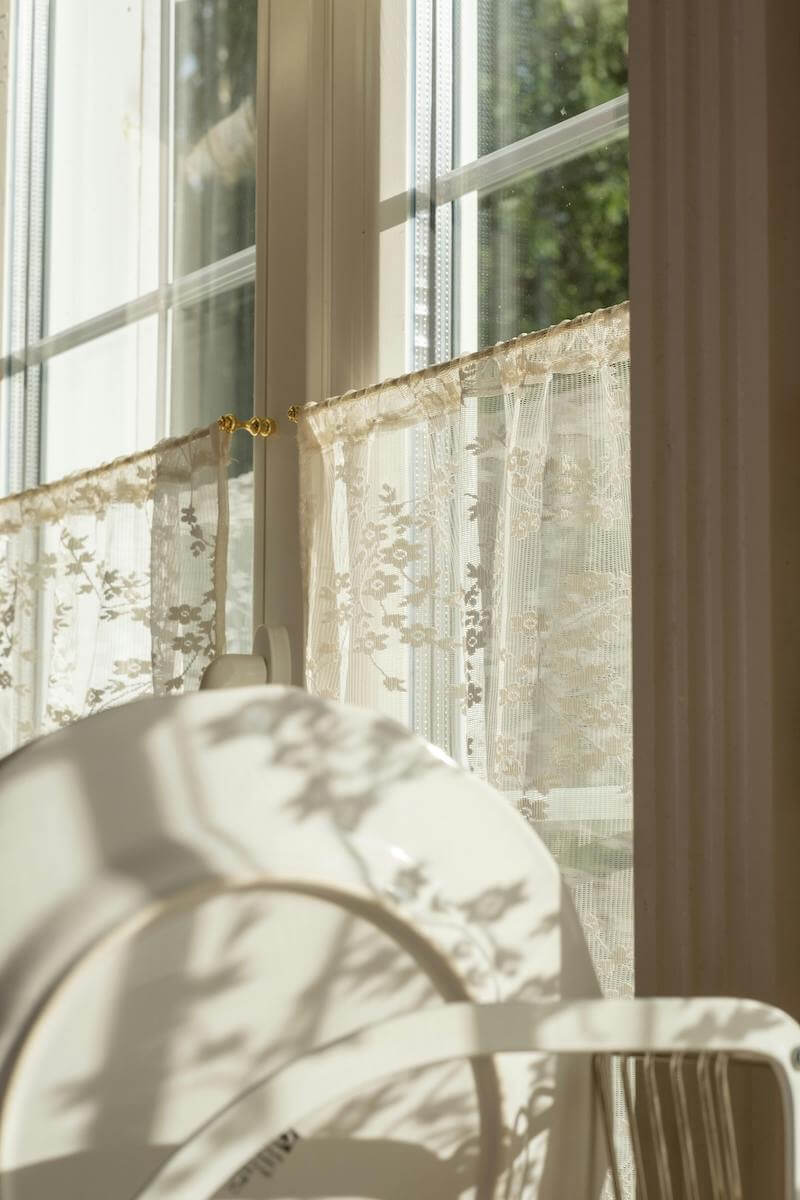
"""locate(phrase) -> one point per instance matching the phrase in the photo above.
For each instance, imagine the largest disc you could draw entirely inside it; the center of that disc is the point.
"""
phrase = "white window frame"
(321, 325)
(338, 201)
(317, 255)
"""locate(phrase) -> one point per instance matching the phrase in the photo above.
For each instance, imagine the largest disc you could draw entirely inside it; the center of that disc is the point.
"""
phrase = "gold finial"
(256, 426)
(293, 413)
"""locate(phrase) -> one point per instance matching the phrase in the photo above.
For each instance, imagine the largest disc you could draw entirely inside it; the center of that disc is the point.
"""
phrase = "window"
(500, 202)
(520, 189)
(128, 308)
(511, 215)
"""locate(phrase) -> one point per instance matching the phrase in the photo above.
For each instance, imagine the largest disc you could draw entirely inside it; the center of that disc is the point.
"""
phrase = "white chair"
(695, 1039)
(255, 943)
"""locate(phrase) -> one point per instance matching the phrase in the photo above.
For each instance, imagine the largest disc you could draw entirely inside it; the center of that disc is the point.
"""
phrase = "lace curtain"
(112, 584)
(467, 567)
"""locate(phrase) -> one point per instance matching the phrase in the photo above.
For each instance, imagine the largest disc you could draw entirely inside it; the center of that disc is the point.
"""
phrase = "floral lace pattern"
(467, 562)
(109, 585)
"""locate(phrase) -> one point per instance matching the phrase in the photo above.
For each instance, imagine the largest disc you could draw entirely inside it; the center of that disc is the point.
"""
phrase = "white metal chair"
(692, 1036)
(244, 932)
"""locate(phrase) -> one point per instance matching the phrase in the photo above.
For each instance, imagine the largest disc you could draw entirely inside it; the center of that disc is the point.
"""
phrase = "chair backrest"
(694, 1041)
(679, 1121)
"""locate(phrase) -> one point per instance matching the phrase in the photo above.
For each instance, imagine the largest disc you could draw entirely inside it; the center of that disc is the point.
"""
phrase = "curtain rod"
(498, 348)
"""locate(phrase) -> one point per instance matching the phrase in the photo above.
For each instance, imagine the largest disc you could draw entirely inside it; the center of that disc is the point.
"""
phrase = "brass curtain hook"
(256, 426)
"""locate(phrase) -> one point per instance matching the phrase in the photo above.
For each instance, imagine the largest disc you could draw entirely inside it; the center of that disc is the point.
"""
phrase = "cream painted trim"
(6, 33)
(316, 254)
(5, 63)
(713, 295)
(261, 305)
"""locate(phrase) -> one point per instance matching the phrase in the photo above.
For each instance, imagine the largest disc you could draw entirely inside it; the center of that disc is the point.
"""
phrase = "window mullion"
(442, 165)
(164, 214)
(213, 280)
(541, 151)
(465, 210)
(25, 317)
(424, 118)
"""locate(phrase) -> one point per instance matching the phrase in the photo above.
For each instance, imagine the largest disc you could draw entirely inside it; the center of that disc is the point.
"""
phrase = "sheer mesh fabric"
(112, 585)
(466, 541)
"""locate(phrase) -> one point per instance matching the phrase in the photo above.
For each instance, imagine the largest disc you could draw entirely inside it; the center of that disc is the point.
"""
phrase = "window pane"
(215, 144)
(103, 157)
(212, 363)
(553, 245)
(99, 400)
(552, 241)
(212, 373)
(537, 62)
(133, 165)
(108, 235)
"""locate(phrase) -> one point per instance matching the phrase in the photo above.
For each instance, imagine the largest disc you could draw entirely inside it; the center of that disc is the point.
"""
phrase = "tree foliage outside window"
(552, 245)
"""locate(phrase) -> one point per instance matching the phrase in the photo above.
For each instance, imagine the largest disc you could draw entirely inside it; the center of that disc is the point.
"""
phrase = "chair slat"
(657, 1126)
(710, 1126)
(680, 1101)
(728, 1129)
(633, 1126)
(601, 1068)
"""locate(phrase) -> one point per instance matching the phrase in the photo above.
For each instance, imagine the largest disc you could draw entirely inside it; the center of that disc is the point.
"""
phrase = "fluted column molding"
(715, 264)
